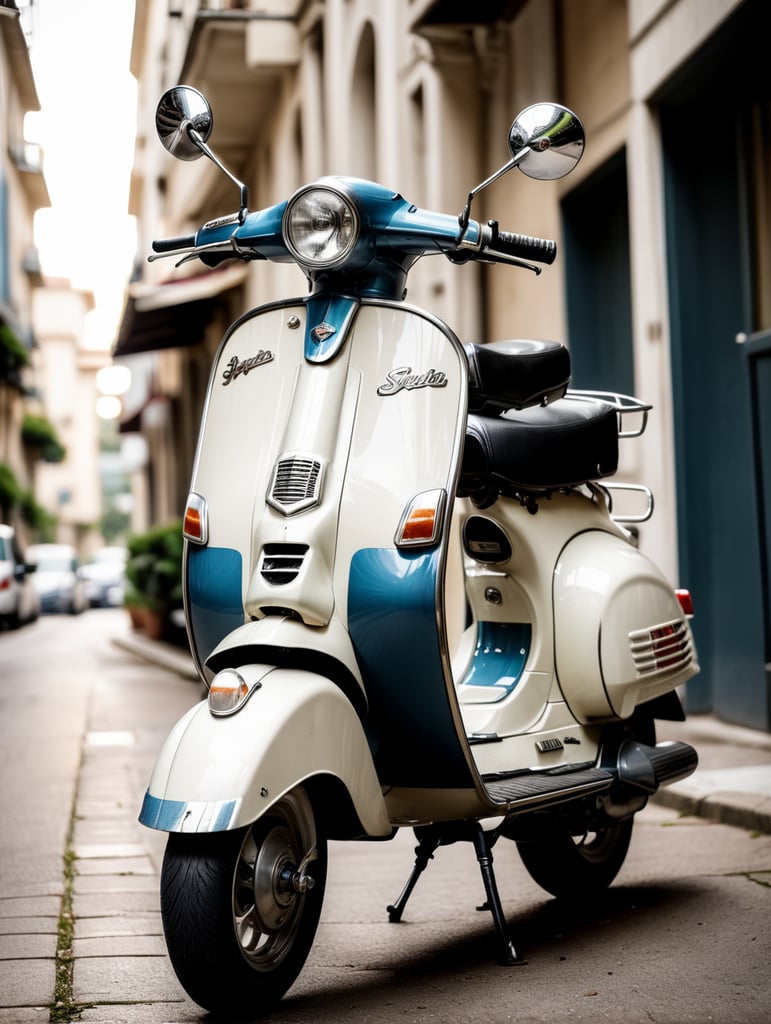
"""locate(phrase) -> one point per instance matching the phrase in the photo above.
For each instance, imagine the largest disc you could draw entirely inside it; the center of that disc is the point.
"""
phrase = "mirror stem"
(463, 219)
(243, 190)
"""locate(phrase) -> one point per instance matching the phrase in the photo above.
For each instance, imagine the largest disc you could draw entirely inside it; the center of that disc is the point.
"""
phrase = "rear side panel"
(616, 619)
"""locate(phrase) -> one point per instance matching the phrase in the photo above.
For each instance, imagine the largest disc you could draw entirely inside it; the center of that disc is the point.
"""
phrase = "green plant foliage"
(154, 569)
(10, 491)
(38, 432)
(13, 355)
(37, 517)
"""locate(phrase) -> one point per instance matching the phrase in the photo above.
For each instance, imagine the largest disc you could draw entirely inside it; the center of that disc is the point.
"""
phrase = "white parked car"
(57, 578)
(105, 573)
(19, 602)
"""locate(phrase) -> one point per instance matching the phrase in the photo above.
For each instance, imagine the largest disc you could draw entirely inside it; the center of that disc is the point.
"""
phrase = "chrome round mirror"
(553, 138)
(180, 111)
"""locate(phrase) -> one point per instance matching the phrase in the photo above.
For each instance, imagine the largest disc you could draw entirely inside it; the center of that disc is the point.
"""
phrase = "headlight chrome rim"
(342, 208)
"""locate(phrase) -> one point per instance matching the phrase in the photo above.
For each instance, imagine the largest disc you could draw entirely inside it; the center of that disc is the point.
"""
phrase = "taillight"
(686, 602)
(195, 524)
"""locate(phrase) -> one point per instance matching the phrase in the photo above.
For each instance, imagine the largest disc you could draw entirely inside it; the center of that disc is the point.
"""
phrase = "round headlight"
(321, 227)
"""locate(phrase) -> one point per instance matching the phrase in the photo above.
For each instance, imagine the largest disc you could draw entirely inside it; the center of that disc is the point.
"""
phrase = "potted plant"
(154, 579)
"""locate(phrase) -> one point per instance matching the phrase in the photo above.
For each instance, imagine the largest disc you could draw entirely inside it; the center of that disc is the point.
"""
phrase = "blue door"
(714, 284)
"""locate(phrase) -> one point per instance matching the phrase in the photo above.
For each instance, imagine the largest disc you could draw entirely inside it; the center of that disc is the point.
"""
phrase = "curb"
(750, 811)
(738, 795)
(173, 659)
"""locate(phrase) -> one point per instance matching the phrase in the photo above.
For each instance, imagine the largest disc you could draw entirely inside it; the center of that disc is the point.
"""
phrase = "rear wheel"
(240, 909)
(570, 866)
(574, 863)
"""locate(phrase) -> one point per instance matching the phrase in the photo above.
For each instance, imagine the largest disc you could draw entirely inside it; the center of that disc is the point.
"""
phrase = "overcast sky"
(80, 57)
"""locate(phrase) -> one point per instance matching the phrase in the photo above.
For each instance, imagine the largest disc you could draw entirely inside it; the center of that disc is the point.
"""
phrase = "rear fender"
(222, 772)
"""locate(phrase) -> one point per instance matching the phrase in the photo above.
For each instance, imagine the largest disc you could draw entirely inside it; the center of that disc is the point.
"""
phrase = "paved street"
(682, 936)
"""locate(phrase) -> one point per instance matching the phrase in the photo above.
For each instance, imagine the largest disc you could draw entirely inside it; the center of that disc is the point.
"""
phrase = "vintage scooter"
(404, 586)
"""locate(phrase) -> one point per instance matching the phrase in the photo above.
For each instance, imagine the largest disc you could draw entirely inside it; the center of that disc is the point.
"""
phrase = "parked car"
(57, 578)
(19, 602)
(105, 576)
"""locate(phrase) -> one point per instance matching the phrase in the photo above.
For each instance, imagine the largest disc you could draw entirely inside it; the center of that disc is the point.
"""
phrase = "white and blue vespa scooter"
(351, 450)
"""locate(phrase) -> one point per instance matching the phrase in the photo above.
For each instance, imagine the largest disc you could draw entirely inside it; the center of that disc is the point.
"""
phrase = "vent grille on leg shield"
(296, 484)
(281, 563)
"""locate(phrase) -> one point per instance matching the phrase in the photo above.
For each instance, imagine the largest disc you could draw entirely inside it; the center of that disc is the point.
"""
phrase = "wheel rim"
(267, 908)
(595, 847)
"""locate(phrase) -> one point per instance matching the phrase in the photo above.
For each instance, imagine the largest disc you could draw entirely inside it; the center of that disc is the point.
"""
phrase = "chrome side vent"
(665, 648)
(281, 563)
(296, 483)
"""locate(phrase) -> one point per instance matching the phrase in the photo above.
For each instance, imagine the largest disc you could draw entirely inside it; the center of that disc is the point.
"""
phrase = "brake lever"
(195, 251)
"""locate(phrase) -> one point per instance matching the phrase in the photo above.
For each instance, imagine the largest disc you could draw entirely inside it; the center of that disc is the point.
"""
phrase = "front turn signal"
(421, 522)
(227, 692)
(195, 523)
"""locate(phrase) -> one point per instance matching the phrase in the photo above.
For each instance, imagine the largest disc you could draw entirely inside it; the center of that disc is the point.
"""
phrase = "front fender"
(217, 773)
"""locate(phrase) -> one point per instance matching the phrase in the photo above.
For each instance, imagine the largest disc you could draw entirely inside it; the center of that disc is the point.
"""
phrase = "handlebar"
(172, 244)
(396, 233)
(507, 243)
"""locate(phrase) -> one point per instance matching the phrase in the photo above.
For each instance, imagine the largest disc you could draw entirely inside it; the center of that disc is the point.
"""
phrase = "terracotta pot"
(136, 615)
(153, 624)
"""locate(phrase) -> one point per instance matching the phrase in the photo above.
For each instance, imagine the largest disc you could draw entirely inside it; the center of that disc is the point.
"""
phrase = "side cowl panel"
(621, 638)
(217, 773)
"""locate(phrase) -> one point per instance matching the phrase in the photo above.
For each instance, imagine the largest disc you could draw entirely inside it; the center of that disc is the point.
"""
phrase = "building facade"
(22, 192)
(664, 232)
(47, 378)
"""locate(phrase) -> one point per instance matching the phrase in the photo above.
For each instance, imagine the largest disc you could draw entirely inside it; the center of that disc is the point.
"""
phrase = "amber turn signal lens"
(421, 522)
(195, 523)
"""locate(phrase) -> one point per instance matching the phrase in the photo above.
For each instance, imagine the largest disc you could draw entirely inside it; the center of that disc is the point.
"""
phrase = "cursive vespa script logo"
(237, 366)
(404, 379)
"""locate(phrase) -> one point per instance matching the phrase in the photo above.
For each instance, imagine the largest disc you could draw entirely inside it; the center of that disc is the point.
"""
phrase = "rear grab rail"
(625, 405)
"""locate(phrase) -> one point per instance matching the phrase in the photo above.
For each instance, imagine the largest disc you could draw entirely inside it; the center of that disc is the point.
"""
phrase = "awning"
(173, 314)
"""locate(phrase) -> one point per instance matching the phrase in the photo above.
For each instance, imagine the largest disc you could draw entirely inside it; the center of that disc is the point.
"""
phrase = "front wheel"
(240, 909)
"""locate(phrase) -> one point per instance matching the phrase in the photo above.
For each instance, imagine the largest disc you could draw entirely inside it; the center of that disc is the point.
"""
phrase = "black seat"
(565, 444)
(516, 374)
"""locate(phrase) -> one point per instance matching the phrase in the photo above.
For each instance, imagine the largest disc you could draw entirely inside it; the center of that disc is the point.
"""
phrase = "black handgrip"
(542, 250)
(170, 244)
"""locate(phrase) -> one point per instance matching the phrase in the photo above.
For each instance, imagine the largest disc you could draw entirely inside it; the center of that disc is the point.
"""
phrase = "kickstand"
(482, 846)
(432, 836)
(424, 852)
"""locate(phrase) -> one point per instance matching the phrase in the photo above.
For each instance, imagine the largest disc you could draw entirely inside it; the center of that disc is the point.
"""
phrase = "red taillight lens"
(686, 602)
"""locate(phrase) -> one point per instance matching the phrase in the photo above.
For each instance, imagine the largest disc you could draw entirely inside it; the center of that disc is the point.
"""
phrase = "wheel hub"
(274, 893)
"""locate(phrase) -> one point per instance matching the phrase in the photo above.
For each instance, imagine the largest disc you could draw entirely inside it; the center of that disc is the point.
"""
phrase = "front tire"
(237, 929)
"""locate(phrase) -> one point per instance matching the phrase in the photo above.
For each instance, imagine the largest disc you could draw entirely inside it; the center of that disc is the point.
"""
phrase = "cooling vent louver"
(296, 484)
(281, 563)
(664, 648)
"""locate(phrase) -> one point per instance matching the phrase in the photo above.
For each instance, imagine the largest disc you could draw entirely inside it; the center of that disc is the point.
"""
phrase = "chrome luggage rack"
(624, 405)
